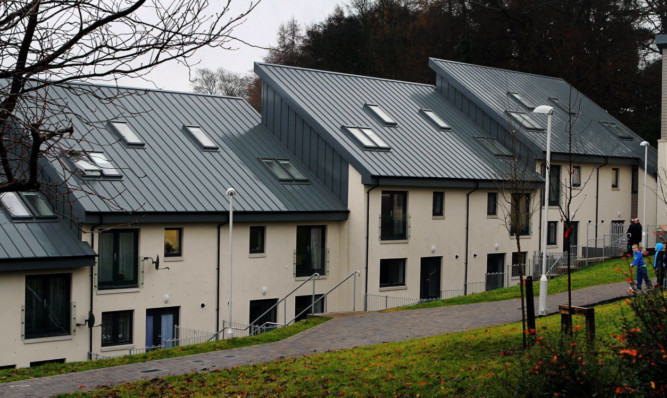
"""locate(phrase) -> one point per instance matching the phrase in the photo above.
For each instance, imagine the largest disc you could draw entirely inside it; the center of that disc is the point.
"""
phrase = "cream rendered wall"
(661, 190)
(20, 352)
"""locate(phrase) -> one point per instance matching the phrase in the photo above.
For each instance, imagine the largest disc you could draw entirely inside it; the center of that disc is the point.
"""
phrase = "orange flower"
(632, 352)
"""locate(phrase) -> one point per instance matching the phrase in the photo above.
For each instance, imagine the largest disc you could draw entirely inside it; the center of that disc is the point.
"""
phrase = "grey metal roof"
(661, 41)
(171, 174)
(488, 87)
(419, 150)
(40, 244)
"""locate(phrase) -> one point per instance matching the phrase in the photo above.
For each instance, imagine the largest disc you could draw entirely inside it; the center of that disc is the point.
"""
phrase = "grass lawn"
(8, 375)
(482, 362)
(610, 271)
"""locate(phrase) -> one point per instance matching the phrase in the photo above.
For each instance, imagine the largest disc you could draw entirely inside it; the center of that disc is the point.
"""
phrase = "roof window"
(95, 164)
(435, 119)
(130, 137)
(284, 170)
(562, 105)
(617, 130)
(25, 205)
(368, 138)
(201, 137)
(525, 121)
(521, 100)
(494, 147)
(381, 114)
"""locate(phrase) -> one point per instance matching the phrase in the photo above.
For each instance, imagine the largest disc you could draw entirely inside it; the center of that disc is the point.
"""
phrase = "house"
(661, 42)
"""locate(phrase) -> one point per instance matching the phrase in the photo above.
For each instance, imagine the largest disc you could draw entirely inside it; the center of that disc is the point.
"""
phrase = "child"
(642, 271)
(659, 264)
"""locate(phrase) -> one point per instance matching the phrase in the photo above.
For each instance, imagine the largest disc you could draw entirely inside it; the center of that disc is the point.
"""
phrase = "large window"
(116, 328)
(438, 204)
(47, 305)
(310, 250)
(492, 204)
(392, 272)
(520, 213)
(257, 240)
(394, 218)
(118, 259)
(173, 242)
(614, 177)
(554, 186)
(552, 230)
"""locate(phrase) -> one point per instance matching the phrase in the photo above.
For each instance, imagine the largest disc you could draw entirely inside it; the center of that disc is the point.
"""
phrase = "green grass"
(8, 375)
(472, 363)
(609, 271)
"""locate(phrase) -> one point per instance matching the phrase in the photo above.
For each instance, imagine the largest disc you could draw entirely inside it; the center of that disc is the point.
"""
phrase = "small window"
(126, 133)
(494, 147)
(381, 114)
(438, 204)
(552, 232)
(108, 170)
(562, 106)
(95, 164)
(116, 328)
(435, 119)
(86, 166)
(37, 205)
(525, 121)
(520, 99)
(311, 254)
(576, 176)
(257, 235)
(392, 272)
(173, 239)
(284, 170)
(14, 205)
(492, 204)
(618, 131)
(368, 138)
(201, 137)
(635, 179)
(515, 263)
(614, 177)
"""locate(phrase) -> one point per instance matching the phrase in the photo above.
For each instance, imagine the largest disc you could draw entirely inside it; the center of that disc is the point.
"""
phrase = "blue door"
(160, 327)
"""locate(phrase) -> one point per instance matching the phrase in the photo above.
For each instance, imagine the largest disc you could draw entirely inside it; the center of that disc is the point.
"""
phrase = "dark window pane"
(552, 228)
(520, 214)
(47, 305)
(576, 176)
(392, 272)
(310, 250)
(438, 203)
(116, 328)
(257, 239)
(554, 186)
(394, 216)
(492, 204)
(118, 259)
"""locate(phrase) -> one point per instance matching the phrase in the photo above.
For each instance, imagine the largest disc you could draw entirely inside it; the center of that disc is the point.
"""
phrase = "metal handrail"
(554, 264)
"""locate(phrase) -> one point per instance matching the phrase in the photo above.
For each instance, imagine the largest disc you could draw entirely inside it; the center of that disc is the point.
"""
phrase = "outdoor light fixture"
(644, 232)
(231, 192)
(549, 111)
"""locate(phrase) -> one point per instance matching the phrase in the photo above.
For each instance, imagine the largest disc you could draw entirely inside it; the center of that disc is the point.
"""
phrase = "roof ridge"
(498, 69)
(344, 74)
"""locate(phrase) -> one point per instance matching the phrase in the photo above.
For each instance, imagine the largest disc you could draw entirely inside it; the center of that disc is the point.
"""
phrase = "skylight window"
(494, 147)
(14, 205)
(435, 119)
(525, 121)
(108, 169)
(520, 99)
(616, 129)
(130, 137)
(37, 205)
(381, 114)
(368, 138)
(284, 170)
(562, 105)
(86, 166)
(23, 205)
(201, 137)
(95, 164)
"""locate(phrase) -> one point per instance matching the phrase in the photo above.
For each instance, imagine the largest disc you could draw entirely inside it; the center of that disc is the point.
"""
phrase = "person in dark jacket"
(634, 233)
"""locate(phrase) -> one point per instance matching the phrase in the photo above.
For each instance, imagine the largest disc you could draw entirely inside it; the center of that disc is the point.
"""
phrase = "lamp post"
(542, 308)
(230, 192)
(644, 233)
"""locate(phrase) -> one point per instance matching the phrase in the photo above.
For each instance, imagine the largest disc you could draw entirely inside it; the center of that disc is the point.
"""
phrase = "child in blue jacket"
(659, 264)
(642, 271)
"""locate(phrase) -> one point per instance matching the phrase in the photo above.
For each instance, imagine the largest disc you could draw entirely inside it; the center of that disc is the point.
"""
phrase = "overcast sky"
(260, 28)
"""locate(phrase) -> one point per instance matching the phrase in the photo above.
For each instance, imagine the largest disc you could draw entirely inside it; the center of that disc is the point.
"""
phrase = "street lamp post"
(542, 308)
(230, 192)
(645, 226)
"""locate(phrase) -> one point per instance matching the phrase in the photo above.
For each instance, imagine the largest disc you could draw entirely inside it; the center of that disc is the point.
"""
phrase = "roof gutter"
(597, 196)
(465, 280)
(368, 205)
(91, 317)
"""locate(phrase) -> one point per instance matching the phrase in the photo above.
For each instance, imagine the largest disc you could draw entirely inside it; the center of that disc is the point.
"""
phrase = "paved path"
(342, 332)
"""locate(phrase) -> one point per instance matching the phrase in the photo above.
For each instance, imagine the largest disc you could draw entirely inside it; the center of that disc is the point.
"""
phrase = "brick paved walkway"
(342, 332)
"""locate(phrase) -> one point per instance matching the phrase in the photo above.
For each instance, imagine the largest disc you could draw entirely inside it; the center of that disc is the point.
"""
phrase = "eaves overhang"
(46, 263)
(446, 182)
(661, 41)
(213, 217)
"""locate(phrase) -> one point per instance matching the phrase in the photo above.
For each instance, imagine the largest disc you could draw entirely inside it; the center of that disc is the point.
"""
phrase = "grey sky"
(260, 28)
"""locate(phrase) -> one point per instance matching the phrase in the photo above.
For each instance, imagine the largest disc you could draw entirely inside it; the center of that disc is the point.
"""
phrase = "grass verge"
(8, 375)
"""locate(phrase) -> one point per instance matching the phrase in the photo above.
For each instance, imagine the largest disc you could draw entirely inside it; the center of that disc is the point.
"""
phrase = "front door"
(160, 325)
(495, 271)
(430, 278)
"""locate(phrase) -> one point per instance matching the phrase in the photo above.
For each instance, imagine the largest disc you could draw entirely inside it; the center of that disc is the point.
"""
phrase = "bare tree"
(52, 43)
(221, 82)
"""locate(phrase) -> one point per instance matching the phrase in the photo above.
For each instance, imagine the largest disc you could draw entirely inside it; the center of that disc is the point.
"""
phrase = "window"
(515, 262)
(554, 185)
(492, 204)
(310, 250)
(525, 121)
(125, 132)
(257, 239)
(614, 177)
(521, 100)
(368, 138)
(118, 259)
(25, 205)
(562, 106)
(616, 130)
(305, 304)
(284, 170)
(576, 176)
(201, 137)
(47, 305)
(14, 205)
(520, 213)
(37, 205)
(173, 240)
(552, 230)
(261, 313)
(95, 164)
(435, 119)
(381, 114)
(635, 179)
(392, 272)
(494, 147)
(116, 328)
(438, 204)
(394, 216)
